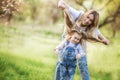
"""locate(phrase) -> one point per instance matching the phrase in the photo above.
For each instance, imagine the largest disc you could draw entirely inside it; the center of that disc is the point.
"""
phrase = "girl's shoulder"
(79, 46)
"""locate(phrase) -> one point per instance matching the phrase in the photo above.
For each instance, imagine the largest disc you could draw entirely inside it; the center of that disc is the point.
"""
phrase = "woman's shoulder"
(81, 12)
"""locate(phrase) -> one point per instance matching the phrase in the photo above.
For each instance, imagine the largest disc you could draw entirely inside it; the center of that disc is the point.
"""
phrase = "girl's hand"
(78, 56)
(56, 52)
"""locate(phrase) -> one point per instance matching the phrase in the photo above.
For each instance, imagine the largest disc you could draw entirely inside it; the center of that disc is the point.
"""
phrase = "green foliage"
(1, 11)
(18, 59)
(27, 53)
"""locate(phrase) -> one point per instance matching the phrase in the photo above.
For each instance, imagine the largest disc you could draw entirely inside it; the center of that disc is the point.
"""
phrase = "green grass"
(27, 53)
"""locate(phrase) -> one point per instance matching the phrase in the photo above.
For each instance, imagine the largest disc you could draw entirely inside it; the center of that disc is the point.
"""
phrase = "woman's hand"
(62, 5)
(103, 39)
(106, 41)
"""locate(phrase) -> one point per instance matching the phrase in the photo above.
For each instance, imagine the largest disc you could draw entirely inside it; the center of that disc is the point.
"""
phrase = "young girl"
(69, 50)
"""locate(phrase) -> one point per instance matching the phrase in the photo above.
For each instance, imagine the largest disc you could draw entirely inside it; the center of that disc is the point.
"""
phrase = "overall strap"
(67, 42)
(76, 45)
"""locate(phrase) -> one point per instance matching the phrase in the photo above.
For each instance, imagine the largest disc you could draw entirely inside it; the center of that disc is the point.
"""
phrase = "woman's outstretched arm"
(67, 8)
(70, 14)
(103, 39)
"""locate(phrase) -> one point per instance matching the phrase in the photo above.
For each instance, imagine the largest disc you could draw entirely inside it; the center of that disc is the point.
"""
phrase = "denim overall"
(82, 64)
(68, 62)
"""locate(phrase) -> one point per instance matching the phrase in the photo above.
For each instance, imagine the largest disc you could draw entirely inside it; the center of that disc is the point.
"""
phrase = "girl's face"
(75, 38)
(88, 20)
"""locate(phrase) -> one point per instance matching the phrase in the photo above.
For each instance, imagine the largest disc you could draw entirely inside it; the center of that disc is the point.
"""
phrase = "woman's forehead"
(91, 16)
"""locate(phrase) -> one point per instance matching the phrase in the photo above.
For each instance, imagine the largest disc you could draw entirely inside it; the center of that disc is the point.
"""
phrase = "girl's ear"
(67, 37)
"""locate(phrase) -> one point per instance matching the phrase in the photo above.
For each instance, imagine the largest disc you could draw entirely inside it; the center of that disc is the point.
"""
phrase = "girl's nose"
(76, 40)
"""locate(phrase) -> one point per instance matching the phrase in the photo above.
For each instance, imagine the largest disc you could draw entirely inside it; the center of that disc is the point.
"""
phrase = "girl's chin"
(73, 42)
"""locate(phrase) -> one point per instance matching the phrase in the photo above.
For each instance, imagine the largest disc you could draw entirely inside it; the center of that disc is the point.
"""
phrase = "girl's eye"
(77, 38)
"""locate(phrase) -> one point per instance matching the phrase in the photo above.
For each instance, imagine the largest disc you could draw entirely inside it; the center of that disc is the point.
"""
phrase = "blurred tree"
(52, 11)
(110, 9)
(80, 2)
(34, 8)
(40, 11)
(7, 9)
(112, 16)
(116, 21)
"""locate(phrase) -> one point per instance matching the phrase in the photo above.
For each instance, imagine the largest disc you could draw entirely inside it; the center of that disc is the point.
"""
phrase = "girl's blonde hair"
(68, 36)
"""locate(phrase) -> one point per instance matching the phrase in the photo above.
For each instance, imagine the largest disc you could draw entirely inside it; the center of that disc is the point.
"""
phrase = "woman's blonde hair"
(94, 23)
(90, 30)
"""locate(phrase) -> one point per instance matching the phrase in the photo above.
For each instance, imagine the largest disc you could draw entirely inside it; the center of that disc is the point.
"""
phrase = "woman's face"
(75, 38)
(88, 20)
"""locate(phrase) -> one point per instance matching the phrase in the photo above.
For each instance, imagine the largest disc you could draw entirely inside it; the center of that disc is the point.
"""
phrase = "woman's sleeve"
(97, 31)
(95, 36)
(75, 13)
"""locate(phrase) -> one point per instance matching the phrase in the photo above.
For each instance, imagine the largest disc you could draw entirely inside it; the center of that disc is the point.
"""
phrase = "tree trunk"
(114, 33)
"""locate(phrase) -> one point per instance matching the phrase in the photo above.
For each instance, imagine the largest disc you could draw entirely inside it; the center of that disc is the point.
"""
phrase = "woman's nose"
(87, 20)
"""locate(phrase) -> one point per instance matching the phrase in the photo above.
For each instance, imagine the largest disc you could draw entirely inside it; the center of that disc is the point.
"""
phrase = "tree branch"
(110, 18)
(106, 4)
(80, 2)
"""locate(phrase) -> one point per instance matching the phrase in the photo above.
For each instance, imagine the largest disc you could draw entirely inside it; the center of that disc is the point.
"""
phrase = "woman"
(86, 22)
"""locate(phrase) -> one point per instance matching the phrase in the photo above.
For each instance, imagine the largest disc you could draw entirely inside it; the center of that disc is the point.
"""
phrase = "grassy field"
(27, 53)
